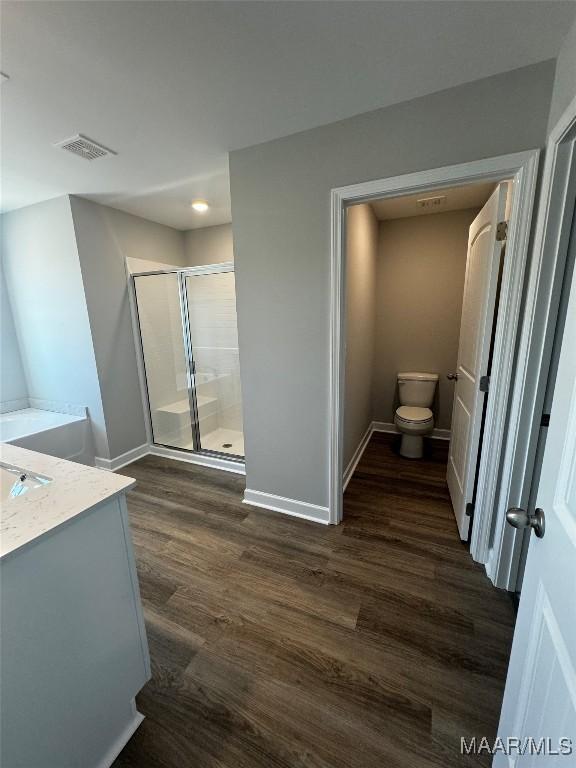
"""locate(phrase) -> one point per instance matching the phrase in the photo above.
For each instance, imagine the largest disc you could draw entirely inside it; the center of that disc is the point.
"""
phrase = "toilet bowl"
(413, 423)
(414, 419)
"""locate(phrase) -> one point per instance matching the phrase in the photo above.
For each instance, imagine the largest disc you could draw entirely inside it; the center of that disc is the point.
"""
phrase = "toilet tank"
(417, 388)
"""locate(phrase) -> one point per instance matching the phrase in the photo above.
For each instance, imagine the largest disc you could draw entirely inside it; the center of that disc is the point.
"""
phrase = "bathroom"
(183, 580)
(84, 263)
(85, 391)
(406, 260)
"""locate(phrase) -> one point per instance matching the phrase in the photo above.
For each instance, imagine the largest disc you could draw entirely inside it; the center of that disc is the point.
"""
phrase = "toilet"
(413, 418)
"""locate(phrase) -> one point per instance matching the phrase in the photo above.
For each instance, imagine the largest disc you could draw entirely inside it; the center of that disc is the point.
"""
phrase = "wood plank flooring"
(276, 642)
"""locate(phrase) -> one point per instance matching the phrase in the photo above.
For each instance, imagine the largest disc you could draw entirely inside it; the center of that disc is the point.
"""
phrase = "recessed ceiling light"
(201, 206)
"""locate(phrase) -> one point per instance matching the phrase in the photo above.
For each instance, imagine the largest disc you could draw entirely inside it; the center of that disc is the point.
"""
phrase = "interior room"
(410, 295)
(127, 318)
(406, 268)
(287, 387)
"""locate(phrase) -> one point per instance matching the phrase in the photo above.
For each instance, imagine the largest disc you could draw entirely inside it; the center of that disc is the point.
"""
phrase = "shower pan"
(186, 319)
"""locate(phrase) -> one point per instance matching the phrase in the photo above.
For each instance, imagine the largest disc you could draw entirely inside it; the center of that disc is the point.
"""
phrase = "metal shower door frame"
(190, 365)
(181, 275)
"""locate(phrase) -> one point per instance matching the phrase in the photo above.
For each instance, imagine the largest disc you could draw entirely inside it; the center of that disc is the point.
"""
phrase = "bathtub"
(55, 434)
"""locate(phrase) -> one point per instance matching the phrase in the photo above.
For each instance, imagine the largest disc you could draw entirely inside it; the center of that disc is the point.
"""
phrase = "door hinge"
(545, 420)
(469, 509)
(484, 383)
(501, 230)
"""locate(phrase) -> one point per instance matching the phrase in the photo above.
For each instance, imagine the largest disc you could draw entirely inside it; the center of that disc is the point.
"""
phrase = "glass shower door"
(159, 312)
(211, 309)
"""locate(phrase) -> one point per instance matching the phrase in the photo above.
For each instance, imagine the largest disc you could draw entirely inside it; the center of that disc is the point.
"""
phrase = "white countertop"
(75, 488)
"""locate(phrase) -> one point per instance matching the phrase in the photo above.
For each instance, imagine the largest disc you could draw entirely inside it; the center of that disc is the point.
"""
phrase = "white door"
(480, 289)
(540, 696)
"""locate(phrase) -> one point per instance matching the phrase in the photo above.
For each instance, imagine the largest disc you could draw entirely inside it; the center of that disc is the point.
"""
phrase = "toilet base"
(412, 446)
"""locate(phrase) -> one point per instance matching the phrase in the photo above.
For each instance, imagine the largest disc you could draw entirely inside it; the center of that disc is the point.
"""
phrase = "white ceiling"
(456, 199)
(173, 86)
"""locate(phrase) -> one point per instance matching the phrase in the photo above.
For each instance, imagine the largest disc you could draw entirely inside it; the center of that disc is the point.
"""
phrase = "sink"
(17, 481)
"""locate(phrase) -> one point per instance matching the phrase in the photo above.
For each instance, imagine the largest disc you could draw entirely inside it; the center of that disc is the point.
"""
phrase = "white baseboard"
(146, 449)
(358, 453)
(237, 467)
(441, 434)
(125, 458)
(380, 426)
(384, 426)
(291, 507)
(115, 749)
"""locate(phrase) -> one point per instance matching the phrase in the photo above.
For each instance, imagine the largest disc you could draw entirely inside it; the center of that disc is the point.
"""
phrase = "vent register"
(84, 147)
(432, 202)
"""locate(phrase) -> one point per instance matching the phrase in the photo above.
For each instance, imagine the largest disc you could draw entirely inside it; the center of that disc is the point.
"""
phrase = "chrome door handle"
(452, 376)
(520, 518)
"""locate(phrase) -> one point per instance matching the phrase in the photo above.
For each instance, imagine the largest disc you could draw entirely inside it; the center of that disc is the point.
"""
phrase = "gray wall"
(361, 261)
(209, 245)
(421, 268)
(281, 221)
(132, 237)
(105, 236)
(565, 77)
(12, 382)
(44, 281)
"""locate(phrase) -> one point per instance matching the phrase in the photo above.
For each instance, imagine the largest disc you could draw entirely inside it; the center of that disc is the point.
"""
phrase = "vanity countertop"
(75, 489)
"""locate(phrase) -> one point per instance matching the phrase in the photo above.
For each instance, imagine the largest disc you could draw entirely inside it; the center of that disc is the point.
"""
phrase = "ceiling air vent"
(432, 202)
(84, 147)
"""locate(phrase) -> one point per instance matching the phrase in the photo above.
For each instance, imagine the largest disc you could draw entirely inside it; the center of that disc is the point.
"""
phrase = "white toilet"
(413, 418)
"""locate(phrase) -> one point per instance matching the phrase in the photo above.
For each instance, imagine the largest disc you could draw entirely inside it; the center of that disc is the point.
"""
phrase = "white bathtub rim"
(37, 428)
(8, 406)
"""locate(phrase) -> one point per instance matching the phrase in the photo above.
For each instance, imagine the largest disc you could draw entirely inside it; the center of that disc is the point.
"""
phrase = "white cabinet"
(74, 652)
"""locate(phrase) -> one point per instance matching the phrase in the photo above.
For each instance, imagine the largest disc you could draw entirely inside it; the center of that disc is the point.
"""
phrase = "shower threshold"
(206, 457)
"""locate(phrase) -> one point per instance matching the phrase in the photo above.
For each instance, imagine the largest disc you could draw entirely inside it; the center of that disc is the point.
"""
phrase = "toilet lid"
(413, 413)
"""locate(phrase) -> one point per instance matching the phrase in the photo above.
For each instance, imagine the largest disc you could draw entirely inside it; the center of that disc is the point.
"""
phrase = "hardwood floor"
(278, 642)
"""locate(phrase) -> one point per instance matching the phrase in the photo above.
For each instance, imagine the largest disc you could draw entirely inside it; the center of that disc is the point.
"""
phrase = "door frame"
(521, 168)
(542, 300)
(540, 612)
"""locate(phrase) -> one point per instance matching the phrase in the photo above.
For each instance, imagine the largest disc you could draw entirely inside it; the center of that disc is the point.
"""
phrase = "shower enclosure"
(187, 324)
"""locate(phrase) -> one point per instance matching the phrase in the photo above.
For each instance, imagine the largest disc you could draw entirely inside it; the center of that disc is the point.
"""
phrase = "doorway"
(521, 170)
(422, 295)
(186, 321)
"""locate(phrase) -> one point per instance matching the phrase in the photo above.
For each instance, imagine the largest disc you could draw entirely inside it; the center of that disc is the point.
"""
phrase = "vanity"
(73, 649)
